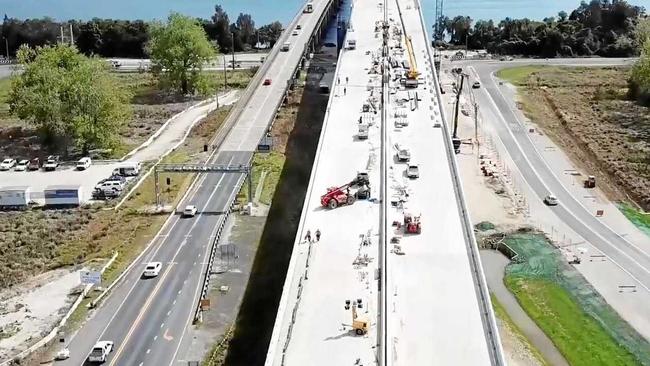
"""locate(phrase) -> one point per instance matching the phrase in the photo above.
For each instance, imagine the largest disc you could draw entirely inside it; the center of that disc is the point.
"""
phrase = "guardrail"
(487, 315)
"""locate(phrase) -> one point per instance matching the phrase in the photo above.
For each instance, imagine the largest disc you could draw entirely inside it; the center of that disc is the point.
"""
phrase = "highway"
(632, 258)
(148, 319)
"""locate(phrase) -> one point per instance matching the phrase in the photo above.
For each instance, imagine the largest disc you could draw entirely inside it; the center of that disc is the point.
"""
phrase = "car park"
(51, 163)
(7, 164)
(190, 211)
(83, 163)
(152, 269)
(413, 171)
(34, 164)
(22, 165)
(100, 351)
(551, 200)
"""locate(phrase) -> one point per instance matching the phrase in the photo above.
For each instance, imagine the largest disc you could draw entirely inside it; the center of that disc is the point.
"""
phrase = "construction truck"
(347, 194)
(412, 224)
(412, 74)
(590, 182)
(359, 324)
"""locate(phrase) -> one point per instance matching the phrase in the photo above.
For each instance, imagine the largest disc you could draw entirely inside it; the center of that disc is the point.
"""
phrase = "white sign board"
(91, 277)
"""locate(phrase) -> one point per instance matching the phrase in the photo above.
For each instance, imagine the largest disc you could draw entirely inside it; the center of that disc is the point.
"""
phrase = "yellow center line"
(139, 318)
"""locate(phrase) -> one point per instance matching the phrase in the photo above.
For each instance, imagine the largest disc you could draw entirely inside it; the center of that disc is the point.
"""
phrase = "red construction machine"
(412, 224)
(359, 188)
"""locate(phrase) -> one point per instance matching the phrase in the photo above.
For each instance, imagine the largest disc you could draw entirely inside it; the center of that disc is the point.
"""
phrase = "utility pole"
(225, 74)
(71, 36)
(233, 50)
(6, 47)
(454, 138)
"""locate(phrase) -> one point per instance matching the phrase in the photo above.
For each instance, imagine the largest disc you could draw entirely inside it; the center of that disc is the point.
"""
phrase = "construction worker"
(317, 234)
(308, 236)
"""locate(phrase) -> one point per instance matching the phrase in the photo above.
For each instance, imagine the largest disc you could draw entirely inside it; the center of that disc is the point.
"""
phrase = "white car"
(551, 200)
(7, 164)
(21, 166)
(413, 171)
(294, 33)
(403, 154)
(84, 163)
(189, 211)
(152, 269)
(63, 354)
(100, 351)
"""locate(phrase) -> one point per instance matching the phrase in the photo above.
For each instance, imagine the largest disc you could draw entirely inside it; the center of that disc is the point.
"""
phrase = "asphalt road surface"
(148, 318)
(539, 176)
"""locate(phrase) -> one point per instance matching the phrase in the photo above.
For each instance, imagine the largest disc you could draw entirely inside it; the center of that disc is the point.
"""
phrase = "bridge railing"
(487, 315)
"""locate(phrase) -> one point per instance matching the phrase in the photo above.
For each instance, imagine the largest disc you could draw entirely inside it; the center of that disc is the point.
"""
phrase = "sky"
(266, 11)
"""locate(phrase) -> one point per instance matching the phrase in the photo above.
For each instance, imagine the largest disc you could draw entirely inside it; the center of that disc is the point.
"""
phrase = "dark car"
(34, 164)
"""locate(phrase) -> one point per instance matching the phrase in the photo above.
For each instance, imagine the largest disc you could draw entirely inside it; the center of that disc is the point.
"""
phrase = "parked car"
(22, 165)
(63, 354)
(267, 82)
(7, 164)
(111, 184)
(476, 85)
(189, 211)
(34, 164)
(51, 163)
(551, 200)
(84, 163)
(100, 351)
(152, 269)
(129, 169)
(413, 171)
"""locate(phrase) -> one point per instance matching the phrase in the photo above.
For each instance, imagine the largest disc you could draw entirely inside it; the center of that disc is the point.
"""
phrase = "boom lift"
(413, 73)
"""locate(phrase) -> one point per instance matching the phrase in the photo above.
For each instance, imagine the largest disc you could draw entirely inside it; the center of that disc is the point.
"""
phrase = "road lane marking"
(196, 292)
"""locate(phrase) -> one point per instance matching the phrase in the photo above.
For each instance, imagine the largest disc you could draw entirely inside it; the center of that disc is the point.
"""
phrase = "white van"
(128, 169)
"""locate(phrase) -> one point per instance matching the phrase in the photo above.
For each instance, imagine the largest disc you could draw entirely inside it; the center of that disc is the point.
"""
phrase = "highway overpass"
(148, 319)
(423, 296)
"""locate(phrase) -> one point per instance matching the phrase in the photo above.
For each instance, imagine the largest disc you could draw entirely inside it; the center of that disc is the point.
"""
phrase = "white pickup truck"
(100, 351)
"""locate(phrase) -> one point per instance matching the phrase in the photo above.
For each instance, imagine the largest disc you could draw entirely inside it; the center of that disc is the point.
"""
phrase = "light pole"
(233, 50)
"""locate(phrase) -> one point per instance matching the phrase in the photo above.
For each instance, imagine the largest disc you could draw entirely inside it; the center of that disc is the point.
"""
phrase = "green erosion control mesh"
(538, 259)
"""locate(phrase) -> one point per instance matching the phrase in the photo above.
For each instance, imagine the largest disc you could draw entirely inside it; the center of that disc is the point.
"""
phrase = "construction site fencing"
(487, 314)
(539, 259)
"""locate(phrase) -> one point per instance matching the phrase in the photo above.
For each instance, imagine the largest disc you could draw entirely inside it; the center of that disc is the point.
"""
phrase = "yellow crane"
(413, 73)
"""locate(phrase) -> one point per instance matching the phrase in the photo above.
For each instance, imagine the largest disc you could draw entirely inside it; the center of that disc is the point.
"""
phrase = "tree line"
(599, 27)
(128, 38)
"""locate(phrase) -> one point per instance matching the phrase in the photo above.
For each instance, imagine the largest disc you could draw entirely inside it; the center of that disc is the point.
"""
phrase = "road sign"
(91, 277)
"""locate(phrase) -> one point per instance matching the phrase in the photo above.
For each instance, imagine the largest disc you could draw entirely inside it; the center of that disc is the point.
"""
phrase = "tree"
(270, 33)
(640, 77)
(222, 28)
(562, 16)
(70, 98)
(179, 49)
(246, 27)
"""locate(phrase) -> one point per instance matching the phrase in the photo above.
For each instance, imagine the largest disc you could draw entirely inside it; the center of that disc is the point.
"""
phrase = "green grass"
(639, 219)
(517, 75)
(501, 313)
(577, 335)
(272, 164)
